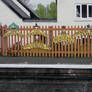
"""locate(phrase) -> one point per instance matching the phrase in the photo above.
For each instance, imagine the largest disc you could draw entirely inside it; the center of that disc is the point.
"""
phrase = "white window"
(78, 11)
(84, 11)
(90, 10)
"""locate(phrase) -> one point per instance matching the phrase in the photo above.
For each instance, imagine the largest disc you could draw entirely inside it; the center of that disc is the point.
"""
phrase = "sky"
(34, 3)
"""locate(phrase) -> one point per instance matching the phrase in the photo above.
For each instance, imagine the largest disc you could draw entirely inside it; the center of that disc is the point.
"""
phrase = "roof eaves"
(30, 10)
(16, 9)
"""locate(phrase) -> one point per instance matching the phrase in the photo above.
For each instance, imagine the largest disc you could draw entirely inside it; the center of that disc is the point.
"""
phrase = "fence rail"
(14, 44)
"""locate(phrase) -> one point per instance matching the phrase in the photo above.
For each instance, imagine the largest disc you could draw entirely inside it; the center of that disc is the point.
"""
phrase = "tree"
(47, 12)
(52, 10)
(41, 11)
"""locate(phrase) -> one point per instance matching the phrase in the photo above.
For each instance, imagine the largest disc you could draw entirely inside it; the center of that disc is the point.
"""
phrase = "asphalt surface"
(44, 60)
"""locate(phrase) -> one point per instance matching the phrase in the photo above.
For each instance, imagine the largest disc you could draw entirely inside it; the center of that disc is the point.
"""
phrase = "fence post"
(59, 42)
(2, 40)
(6, 41)
(50, 39)
(55, 43)
(52, 42)
(72, 43)
(91, 43)
(85, 44)
(68, 42)
(65, 43)
(21, 29)
(43, 41)
(82, 43)
(75, 42)
(78, 42)
(46, 29)
(0, 37)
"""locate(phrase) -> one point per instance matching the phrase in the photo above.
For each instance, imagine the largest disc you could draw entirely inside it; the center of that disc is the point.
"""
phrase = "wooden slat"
(15, 45)
(71, 43)
(24, 39)
(52, 43)
(30, 39)
(78, 46)
(5, 39)
(81, 46)
(18, 43)
(49, 39)
(9, 45)
(39, 42)
(59, 42)
(81, 43)
(27, 38)
(62, 46)
(6, 42)
(40, 49)
(84, 46)
(78, 42)
(21, 41)
(75, 42)
(56, 43)
(33, 50)
(88, 40)
(43, 40)
(65, 43)
(12, 45)
(68, 43)
(3, 28)
(91, 43)
(46, 38)
(91, 46)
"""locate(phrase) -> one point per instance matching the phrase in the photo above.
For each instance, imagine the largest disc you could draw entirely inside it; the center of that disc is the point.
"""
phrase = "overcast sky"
(36, 2)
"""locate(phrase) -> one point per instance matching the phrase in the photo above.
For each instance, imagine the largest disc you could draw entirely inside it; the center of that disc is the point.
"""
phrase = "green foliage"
(52, 10)
(41, 11)
(47, 12)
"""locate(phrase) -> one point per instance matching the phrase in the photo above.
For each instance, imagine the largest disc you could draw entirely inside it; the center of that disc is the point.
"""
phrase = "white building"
(69, 12)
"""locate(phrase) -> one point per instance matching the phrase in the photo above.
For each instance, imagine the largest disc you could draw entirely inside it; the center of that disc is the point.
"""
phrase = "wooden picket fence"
(13, 45)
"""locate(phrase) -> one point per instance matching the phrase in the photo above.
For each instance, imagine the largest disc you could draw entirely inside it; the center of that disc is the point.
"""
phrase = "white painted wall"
(7, 16)
(65, 14)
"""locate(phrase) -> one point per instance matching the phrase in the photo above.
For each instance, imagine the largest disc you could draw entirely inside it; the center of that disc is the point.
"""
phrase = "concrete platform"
(44, 62)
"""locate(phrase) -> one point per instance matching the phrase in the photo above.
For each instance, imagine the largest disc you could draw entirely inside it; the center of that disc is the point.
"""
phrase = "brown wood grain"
(21, 42)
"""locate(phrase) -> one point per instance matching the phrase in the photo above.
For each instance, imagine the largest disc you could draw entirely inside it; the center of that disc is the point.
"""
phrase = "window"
(42, 9)
(90, 10)
(84, 11)
(78, 11)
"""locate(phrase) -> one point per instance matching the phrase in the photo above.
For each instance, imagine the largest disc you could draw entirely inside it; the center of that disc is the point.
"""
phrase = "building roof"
(32, 14)
(18, 10)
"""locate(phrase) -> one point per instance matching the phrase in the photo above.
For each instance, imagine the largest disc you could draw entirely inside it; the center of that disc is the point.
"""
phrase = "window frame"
(81, 18)
(88, 10)
(40, 19)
